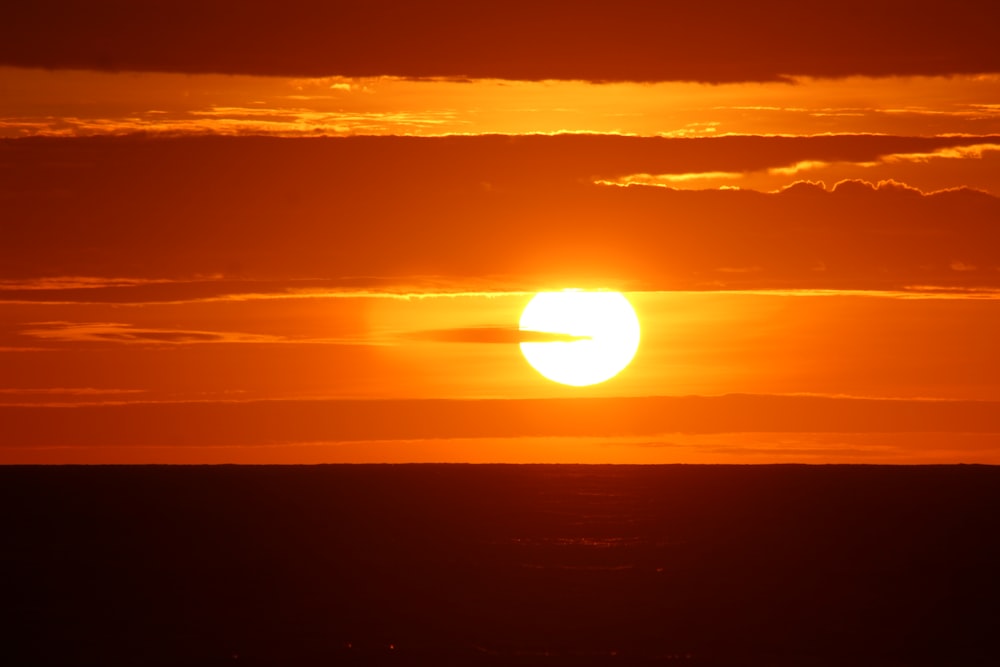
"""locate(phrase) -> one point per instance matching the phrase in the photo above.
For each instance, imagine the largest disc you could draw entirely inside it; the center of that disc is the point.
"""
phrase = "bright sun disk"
(605, 322)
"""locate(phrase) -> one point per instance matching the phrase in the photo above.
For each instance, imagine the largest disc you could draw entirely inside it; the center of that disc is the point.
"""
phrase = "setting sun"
(605, 324)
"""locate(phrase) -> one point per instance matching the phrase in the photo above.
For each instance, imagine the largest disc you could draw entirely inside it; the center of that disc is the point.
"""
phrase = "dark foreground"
(500, 565)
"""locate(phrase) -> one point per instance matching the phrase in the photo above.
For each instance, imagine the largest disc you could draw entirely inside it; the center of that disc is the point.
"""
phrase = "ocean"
(500, 565)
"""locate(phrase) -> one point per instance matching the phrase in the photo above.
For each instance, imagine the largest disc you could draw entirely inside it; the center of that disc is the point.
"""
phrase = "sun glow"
(605, 323)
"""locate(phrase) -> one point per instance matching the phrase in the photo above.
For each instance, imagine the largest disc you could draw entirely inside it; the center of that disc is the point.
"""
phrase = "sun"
(607, 327)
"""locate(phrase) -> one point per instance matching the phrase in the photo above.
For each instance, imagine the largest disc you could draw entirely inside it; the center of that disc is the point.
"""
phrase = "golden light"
(605, 323)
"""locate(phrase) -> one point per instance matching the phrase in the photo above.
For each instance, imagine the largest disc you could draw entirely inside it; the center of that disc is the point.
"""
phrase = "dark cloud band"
(493, 212)
(635, 40)
(287, 422)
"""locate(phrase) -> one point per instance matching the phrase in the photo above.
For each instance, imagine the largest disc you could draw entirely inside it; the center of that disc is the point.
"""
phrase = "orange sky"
(213, 251)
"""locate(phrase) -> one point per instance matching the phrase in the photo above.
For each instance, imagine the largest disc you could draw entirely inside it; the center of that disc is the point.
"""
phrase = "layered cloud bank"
(495, 212)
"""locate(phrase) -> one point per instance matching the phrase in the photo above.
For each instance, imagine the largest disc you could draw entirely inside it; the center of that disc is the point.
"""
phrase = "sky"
(304, 232)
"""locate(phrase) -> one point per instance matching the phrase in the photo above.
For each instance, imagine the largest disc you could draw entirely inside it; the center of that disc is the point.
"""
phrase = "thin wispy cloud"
(129, 334)
(931, 166)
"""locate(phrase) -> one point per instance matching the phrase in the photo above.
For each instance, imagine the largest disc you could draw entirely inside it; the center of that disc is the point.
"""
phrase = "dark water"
(500, 565)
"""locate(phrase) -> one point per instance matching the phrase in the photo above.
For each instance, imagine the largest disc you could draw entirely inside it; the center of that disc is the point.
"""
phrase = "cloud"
(61, 283)
(968, 149)
(804, 188)
(385, 214)
(82, 103)
(504, 335)
(286, 422)
(56, 289)
(68, 391)
(722, 40)
(236, 122)
(860, 187)
(669, 180)
(94, 290)
(39, 396)
(113, 332)
(969, 160)
(805, 165)
(121, 333)
(961, 152)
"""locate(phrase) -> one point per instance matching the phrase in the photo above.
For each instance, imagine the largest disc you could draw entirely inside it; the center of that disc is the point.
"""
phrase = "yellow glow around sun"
(606, 323)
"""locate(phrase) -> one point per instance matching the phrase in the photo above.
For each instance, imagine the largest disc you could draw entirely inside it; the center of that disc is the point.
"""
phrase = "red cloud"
(636, 40)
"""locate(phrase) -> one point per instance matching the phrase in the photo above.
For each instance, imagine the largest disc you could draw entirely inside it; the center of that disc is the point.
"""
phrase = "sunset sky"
(302, 232)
